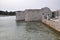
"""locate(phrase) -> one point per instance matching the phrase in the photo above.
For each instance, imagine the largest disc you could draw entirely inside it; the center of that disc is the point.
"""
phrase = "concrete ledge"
(57, 32)
(52, 24)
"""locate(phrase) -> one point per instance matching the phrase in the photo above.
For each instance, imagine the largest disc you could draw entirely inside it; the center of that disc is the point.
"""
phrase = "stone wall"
(33, 15)
(20, 15)
(52, 24)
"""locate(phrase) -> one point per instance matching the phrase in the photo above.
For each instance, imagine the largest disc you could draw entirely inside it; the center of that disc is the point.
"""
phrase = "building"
(56, 14)
(37, 14)
(33, 14)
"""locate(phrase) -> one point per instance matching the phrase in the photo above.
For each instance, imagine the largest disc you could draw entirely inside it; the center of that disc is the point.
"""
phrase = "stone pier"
(55, 24)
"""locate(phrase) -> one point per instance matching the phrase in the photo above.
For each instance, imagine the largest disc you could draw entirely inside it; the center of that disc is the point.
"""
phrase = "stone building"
(33, 14)
(37, 14)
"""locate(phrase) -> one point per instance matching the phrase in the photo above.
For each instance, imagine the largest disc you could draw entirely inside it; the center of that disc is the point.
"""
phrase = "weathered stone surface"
(53, 24)
(32, 15)
(20, 15)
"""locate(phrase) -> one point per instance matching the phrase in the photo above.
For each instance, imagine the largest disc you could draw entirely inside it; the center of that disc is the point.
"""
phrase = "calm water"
(12, 30)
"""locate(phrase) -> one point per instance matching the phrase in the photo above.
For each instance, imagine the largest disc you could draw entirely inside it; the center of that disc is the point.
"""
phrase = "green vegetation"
(7, 13)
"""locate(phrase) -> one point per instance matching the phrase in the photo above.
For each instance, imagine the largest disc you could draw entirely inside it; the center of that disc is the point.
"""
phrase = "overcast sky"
(14, 5)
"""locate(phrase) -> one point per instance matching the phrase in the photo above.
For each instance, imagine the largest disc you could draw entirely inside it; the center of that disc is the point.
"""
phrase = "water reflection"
(12, 30)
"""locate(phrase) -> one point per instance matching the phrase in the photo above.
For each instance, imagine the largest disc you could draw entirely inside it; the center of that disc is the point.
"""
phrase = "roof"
(37, 9)
(32, 9)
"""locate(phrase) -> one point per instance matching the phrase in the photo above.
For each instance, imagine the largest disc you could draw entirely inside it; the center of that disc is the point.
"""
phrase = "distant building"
(33, 14)
(56, 14)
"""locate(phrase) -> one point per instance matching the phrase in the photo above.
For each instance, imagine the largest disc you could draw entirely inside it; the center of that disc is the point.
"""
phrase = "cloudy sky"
(14, 5)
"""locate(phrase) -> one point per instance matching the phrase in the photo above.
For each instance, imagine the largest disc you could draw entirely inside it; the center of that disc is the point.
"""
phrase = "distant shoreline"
(6, 15)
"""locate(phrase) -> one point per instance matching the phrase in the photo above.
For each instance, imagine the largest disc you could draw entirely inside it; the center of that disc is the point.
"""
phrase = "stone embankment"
(53, 24)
